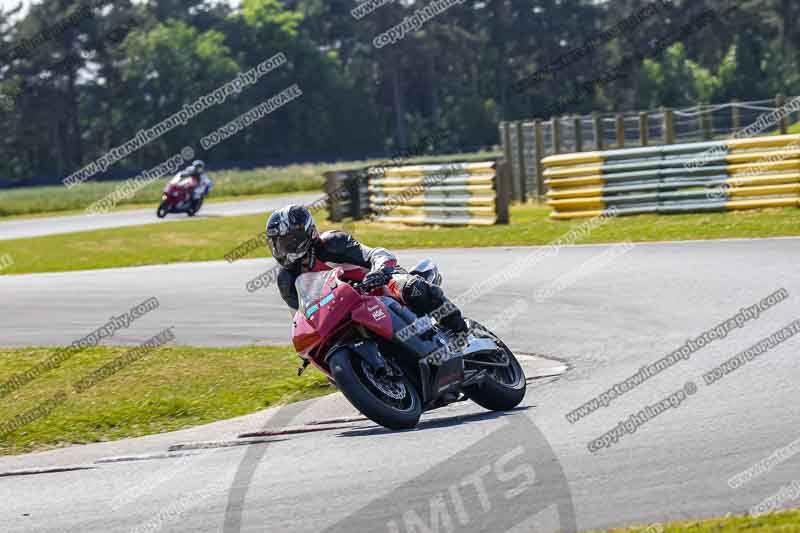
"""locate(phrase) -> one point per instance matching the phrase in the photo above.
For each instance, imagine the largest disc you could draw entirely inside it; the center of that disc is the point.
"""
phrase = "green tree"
(171, 65)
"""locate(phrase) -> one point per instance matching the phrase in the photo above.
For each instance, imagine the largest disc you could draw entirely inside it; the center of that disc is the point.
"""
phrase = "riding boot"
(424, 298)
(454, 322)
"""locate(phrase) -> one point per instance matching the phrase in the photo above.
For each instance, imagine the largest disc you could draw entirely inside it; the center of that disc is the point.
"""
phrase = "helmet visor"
(291, 247)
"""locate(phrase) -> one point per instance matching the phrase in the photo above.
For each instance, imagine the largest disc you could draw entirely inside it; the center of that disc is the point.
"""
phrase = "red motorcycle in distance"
(177, 197)
(352, 337)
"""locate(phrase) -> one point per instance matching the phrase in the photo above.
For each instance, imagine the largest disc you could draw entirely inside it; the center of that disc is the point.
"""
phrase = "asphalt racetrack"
(37, 227)
(604, 310)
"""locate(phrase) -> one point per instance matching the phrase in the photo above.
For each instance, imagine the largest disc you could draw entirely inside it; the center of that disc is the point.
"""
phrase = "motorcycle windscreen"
(311, 285)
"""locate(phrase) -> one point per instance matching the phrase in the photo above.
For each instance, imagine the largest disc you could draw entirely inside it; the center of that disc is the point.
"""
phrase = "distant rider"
(299, 248)
(203, 183)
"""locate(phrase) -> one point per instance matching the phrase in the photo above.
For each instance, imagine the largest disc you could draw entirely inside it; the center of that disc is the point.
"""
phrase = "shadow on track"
(436, 423)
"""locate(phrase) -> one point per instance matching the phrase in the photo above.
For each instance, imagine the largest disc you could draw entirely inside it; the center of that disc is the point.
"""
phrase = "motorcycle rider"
(203, 183)
(299, 248)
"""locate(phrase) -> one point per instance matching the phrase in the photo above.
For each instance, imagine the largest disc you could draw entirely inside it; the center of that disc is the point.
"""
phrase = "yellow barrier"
(683, 178)
(474, 193)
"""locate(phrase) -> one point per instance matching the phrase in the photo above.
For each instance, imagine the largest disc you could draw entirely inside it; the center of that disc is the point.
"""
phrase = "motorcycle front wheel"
(162, 210)
(392, 402)
(505, 385)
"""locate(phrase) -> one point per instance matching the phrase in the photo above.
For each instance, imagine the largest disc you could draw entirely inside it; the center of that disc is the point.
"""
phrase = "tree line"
(78, 79)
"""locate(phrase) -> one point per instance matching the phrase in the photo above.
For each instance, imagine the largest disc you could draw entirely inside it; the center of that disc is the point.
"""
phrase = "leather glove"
(376, 279)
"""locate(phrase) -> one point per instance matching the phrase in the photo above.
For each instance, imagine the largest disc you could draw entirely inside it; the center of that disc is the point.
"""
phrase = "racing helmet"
(291, 233)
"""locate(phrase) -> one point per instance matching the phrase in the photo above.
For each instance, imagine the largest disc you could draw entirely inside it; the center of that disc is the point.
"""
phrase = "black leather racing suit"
(337, 248)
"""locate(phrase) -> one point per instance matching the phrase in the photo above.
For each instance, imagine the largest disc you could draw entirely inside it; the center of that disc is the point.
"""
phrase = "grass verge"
(170, 388)
(787, 521)
(151, 206)
(210, 239)
(228, 184)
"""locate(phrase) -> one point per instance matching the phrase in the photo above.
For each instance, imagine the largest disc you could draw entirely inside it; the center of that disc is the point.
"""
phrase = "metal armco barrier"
(452, 194)
(682, 178)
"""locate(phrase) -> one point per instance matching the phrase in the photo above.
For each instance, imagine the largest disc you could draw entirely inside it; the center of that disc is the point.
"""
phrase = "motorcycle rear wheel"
(193, 210)
(504, 387)
(376, 397)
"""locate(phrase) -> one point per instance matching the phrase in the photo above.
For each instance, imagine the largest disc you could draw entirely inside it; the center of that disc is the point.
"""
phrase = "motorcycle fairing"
(375, 316)
(304, 336)
(319, 318)
(434, 379)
